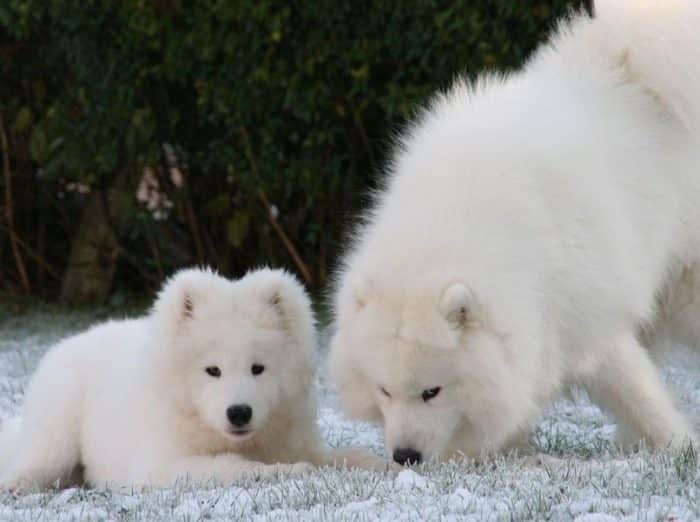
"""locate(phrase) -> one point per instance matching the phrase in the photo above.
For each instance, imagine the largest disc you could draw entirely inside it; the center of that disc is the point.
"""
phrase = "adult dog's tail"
(658, 44)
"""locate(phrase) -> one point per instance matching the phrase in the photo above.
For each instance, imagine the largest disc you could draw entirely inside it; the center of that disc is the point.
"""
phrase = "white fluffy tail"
(9, 433)
(658, 42)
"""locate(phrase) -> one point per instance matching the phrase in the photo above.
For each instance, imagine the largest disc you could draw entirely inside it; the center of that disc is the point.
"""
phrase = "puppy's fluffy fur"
(138, 402)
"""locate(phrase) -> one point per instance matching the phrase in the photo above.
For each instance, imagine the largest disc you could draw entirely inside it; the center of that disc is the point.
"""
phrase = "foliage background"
(142, 135)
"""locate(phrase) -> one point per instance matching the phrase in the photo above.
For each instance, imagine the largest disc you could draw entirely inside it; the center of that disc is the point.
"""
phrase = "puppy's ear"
(187, 306)
(276, 299)
(456, 306)
(181, 298)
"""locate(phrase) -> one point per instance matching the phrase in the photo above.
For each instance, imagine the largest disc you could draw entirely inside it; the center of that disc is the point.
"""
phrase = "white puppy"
(531, 227)
(215, 383)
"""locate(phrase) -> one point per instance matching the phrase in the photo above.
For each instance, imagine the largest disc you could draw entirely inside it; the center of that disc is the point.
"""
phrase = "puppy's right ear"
(277, 299)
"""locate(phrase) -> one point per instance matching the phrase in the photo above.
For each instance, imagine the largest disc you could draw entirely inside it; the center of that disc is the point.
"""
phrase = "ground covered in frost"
(586, 481)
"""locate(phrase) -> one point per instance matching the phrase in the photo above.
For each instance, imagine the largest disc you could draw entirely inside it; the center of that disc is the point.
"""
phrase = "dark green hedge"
(290, 104)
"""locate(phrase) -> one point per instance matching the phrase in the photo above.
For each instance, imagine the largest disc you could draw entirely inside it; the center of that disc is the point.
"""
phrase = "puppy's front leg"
(224, 469)
(358, 458)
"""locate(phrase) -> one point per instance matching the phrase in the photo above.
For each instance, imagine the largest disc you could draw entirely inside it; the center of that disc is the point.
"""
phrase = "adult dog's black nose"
(239, 414)
(407, 456)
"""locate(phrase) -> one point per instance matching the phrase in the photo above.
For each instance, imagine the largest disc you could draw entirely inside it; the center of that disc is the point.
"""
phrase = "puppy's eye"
(214, 371)
(431, 393)
(257, 369)
(386, 393)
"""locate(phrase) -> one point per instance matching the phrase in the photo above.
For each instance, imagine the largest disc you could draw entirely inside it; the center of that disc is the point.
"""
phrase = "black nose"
(239, 414)
(407, 456)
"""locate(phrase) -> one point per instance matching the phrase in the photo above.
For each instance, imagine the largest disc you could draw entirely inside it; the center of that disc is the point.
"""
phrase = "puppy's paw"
(297, 469)
(15, 485)
(302, 468)
(540, 459)
(362, 459)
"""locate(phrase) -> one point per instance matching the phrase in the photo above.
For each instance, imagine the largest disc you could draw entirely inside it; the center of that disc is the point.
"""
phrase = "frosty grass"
(583, 477)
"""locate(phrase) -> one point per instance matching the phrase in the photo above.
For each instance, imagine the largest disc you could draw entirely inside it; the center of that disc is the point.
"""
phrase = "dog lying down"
(213, 384)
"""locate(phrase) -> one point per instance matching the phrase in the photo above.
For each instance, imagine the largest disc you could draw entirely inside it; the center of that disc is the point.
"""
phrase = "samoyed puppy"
(533, 232)
(215, 383)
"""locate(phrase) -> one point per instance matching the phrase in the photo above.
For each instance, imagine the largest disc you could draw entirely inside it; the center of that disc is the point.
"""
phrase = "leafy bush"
(229, 133)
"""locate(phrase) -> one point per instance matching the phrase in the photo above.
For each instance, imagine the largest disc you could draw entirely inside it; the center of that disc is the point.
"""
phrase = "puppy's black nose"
(407, 456)
(239, 414)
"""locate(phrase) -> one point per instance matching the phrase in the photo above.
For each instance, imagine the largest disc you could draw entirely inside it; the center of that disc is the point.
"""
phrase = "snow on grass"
(582, 478)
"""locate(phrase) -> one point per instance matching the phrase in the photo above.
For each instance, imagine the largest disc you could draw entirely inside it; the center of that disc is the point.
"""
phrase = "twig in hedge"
(169, 161)
(301, 265)
(363, 134)
(34, 255)
(9, 217)
(212, 249)
(276, 225)
(194, 227)
(156, 255)
(137, 264)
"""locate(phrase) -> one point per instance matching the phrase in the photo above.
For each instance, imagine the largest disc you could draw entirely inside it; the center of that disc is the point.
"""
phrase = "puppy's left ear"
(278, 300)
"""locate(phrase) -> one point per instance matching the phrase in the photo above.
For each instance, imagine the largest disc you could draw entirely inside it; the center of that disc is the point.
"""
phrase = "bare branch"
(9, 216)
(274, 222)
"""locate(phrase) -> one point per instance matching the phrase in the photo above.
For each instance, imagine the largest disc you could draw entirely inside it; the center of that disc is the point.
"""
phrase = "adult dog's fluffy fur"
(534, 232)
(215, 383)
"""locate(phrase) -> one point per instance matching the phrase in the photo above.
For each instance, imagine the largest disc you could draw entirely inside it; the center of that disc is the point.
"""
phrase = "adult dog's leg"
(627, 384)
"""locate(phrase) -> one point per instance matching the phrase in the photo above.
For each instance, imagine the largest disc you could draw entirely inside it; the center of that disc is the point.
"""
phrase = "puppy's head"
(236, 352)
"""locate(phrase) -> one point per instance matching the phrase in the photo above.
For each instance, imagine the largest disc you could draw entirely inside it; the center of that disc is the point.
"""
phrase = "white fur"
(531, 228)
(131, 402)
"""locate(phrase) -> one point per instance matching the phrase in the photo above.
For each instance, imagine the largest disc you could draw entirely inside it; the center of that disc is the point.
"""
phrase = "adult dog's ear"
(457, 306)
(356, 393)
(353, 297)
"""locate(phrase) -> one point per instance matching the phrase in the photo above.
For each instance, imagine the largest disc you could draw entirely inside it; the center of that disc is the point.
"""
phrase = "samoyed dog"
(214, 384)
(536, 231)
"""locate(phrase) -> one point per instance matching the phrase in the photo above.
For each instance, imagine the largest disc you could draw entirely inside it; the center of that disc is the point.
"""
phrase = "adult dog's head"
(432, 365)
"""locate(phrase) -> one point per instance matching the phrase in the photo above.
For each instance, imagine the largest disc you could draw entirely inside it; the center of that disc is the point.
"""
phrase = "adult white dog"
(533, 232)
(214, 384)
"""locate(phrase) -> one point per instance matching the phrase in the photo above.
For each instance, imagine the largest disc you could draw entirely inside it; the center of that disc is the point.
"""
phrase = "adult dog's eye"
(386, 393)
(214, 371)
(431, 393)
(257, 369)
